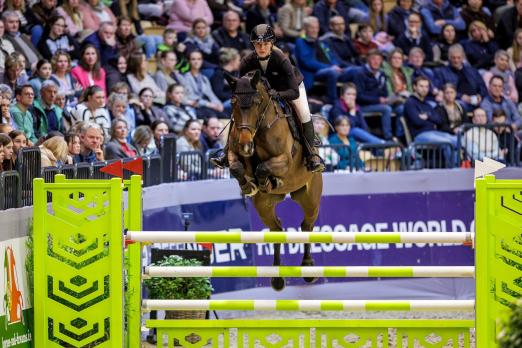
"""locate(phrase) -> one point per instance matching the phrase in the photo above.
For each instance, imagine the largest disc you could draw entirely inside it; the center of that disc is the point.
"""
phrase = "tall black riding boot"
(314, 162)
(220, 159)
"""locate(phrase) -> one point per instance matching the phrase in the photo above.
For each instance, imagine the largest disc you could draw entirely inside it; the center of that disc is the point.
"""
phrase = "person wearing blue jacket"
(325, 9)
(341, 45)
(437, 13)
(398, 17)
(316, 61)
(414, 36)
(471, 88)
(480, 48)
(496, 101)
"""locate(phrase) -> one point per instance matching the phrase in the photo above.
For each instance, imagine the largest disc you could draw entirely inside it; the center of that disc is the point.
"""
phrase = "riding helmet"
(262, 33)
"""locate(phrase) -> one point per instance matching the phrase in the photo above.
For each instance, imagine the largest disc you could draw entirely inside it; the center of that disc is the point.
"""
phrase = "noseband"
(243, 104)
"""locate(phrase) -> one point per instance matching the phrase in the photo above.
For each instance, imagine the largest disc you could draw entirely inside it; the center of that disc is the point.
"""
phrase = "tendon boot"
(220, 158)
(314, 162)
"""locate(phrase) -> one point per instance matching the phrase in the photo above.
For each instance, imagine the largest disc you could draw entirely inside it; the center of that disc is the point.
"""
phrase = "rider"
(286, 82)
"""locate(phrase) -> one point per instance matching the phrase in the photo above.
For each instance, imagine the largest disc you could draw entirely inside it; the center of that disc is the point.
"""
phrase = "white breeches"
(301, 105)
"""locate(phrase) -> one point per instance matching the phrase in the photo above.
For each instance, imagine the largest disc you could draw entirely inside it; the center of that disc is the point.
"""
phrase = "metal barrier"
(385, 157)
(191, 165)
(496, 141)
(152, 170)
(82, 171)
(48, 173)
(10, 190)
(96, 171)
(28, 165)
(69, 170)
(168, 154)
(432, 155)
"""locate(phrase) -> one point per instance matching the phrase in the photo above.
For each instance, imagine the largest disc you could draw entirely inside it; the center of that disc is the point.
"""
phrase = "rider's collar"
(263, 59)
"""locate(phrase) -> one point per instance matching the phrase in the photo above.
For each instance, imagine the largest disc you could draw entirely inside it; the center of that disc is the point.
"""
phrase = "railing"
(432, 155)
(496, 141)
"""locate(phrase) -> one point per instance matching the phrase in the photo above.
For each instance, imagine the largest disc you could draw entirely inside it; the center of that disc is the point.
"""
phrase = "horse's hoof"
(249, 189)
(278, 283)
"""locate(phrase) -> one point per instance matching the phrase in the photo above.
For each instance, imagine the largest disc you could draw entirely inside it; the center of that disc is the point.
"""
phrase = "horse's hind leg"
(265, 205)
(309, 198)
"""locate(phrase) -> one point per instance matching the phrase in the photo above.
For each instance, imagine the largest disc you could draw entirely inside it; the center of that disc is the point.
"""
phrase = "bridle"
(253, 129)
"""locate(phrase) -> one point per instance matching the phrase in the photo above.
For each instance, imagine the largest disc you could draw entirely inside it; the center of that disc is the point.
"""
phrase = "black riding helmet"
(262, 33)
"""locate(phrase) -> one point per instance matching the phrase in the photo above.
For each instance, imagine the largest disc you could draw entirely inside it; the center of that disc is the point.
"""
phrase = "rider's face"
(263, 48)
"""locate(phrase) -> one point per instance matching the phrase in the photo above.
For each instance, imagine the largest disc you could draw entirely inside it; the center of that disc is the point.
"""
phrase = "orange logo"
(13, 300)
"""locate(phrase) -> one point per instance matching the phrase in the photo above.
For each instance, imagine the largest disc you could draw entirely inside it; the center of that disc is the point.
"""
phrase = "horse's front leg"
(237, 169)
(270, 172)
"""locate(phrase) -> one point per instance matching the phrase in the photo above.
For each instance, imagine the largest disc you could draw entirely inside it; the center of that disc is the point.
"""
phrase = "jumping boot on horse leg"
(314, 162)
(221, 160)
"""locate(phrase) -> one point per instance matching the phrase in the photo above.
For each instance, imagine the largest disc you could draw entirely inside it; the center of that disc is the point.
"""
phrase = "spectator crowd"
(86, 80)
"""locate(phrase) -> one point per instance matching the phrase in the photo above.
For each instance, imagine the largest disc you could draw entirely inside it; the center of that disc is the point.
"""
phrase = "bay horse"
(268, 162)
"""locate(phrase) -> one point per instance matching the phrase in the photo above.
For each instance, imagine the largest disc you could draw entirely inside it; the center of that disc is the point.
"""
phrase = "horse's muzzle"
(247, 149)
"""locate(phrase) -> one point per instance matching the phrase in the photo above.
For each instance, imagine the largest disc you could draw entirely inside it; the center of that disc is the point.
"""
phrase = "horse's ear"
(232, 81)
(255, 79)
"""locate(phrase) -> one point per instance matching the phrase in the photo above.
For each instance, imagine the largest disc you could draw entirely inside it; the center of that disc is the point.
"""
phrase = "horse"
(268, 162)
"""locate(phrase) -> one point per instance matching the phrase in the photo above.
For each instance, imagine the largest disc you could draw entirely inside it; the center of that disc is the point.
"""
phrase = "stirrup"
(220, 161)
(315, 164)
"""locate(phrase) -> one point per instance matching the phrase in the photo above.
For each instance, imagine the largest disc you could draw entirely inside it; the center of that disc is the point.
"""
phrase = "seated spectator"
(177, 112)
(22, 74)
(73, 146)
(5, 128)
(495, 100)
(118, 103)
(450, 112)
(19, 41)
(344, 144)
(315, 64)
(190, 141)
(230, 34)
(19, 7)
(219, 7)
(229, 64)
(424, 122)
(70, 10)
(5, 103)
(139, 77)
(170, 43)
(199, 91)
(398, 80)
(166, 74)
(104, 40)
(470, 85)
(91, 141)
(341, 45)
(506, 138)
(210, 132)
(142, 139)
(147, 112)
(330, 156)
(262, 13)
(67, 84)
(116, 71)
(7, 148)
(21, 114)
(346, 106)
(364, 41)
(132, 102)
(398, 17)
(200, 39)
(377, 19)
(45, 112)
(118, 147)
(39, 15)
(446, 39)
(290, 18)
(19, 142)
(414, 36)
(43, 73)
(126, 41)
(89, 72)
(437, 13)
(13, 73)
(474, 11)
(501, 68)
(54, 152)
(92, 108)
(480, 142)
(480, 48)
(67, 117)
(6, 49)
(416, 62)
(510, 20)
(324, 9)
(159, 128)
(183, 12)
(515, 51)
(372, 93)
(1, 153)
(55, 39)
(94, 13)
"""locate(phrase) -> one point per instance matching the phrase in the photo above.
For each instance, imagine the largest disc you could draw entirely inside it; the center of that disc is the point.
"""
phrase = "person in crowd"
(126, 41)
(139, 77)
(398, 80)
(167, 74)
(67, 116)
(480, 48)
(89, 72)
(159, 128)
(19, 7)
(54, 152)
(230, 34)
(437, 13)
(372, 92)
(190, 141)
(414, 36)
(67, 84)
(262, 13)
(46, 114)
(92, 108)
(142, 139)
(54, 39)
(118, 104)
(364, 41)
(324, 9)
(6, 49)
(377, 19)
(450, 113)
(446, 39)
(118, 147)
(70, 10)
(479, 141)
(346, 106)
(177, 112)
(200, 39)
(416, 62)
(199, 91)
(398, 17)
(495, 100)
(330, 156)
(21, 113)
(474, 11)
(43, 73)
(95, 12)
(13, 73)
(229, 64)
(315, 64)
(1, 153)
(147, 113)
(116, 71)
(501, 68)
(132, 102)
(19, 142)
(39, 15)
(6, 95)
(19, 41)
(290, 18)
(7, 145)
(507, 140)
(510, 20)
(183, 12)
(470, 85)
(73, 146)
(515, 51)
(5, 128)
(210, 132)
(91, 141)
(341, 45)
(104, 40)
(344, 144)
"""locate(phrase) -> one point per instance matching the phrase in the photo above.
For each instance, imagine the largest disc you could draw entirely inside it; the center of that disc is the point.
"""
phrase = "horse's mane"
(247, 88)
